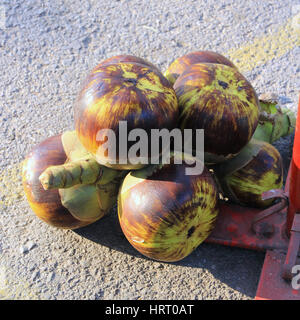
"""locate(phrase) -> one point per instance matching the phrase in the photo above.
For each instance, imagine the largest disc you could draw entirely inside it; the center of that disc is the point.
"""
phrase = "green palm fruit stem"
(274, 121)
(82, 171)
(91, 201)
(81, 167)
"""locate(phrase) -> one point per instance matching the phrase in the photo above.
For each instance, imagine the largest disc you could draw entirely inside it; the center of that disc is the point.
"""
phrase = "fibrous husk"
(80, 168)
(91, 201)
(274, 121)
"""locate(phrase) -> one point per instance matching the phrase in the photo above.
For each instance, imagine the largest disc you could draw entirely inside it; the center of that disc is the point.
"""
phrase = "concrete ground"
(46, 50)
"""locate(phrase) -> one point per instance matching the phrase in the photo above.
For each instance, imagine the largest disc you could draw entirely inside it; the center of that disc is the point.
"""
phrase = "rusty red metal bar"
(294, 178)
(293, 216)
(275, 280)
(271, 285)
(275, 230)
(293, 249)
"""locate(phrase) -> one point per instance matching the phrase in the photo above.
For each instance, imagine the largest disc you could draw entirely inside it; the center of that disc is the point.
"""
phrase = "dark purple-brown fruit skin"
(238, 117)
(99, 107)
(171, 211)
(178, 66)
(264, 172)
(46, 204)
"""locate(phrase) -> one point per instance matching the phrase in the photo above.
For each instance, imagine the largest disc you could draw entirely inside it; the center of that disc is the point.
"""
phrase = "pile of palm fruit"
(165, 214)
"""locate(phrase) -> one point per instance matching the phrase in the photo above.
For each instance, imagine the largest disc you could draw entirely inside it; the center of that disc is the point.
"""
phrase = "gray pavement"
(46, 50)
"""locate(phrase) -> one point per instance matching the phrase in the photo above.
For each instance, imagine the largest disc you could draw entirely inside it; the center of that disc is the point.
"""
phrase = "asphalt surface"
(46, 50)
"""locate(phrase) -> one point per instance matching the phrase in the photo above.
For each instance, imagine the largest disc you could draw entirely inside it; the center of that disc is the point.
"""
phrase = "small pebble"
(30, 245)
(26, 248)
(35, 275)
(23, 249)
(51, 276)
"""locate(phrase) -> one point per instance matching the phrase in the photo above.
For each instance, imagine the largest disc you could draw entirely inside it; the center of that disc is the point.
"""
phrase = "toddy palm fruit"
(178, 66)
(166, 214)
(218, 99)
(80, 167)
(127, 58)
(80, 204)
(131, 94)
(256, 169)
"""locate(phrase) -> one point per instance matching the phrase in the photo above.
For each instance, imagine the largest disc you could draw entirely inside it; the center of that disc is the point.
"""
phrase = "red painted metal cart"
(275, 230)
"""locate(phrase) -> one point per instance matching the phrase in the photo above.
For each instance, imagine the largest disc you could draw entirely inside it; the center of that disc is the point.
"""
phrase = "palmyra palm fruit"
(166, 214)
(127, 58)
(274, 121)
(178, 66)
(126, 91)
(47, 204)
(256, 169)
(79, 204)
(80, 168)
(218, 99)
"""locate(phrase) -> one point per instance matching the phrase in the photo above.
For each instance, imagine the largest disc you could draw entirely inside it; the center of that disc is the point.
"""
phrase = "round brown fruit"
(46, 204)
(178, 66)
(256, 169)
(129, 92)
(125, 58)
(166, 214)
(220, 100)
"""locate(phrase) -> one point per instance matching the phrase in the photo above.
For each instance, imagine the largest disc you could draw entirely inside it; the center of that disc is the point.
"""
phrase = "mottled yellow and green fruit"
(127, 58)
(220, 100)
(258, 168)
(129, 92)
(178, 66)
(166, 214)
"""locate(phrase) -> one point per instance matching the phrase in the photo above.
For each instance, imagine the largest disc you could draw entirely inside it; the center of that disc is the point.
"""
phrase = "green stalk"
(87, 189)
(81, 167)
(83, 171)
(274, 121)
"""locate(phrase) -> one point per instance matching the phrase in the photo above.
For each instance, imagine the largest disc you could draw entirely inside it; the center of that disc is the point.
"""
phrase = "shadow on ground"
(238, 268)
